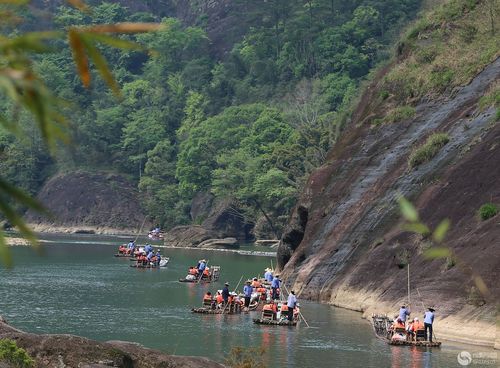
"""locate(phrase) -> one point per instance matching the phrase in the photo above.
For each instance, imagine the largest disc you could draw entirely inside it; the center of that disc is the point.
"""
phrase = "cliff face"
(99, 202)
(344, 241)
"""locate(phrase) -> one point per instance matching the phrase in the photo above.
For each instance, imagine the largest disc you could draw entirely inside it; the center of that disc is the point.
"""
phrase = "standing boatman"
(291, 304)
(225, 293)
(403, 313)
(275, 285)
(201, 267)
(268, 276)
(247, 292)
(428, 321)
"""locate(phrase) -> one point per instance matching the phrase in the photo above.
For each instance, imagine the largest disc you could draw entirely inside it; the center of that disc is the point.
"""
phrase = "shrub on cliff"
(487, 210)
(9, 352)
(428, 150)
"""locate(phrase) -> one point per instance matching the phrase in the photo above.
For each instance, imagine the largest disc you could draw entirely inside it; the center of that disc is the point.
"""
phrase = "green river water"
(78, 287)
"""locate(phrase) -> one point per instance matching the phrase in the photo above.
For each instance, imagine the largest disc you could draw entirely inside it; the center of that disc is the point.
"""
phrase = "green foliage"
(428, 150)
(445, 48)
(11, 353)
(262, 116)
(397, 114)
(487, 210)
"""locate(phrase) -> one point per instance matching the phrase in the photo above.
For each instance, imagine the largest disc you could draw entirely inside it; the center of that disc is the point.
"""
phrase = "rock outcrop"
(81, 201)
(344, 244)
(74, 351)
(224, 220)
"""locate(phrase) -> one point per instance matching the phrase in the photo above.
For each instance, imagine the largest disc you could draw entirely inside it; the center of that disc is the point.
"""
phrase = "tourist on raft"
(131, 247)
(219, 300)
(270, 307)
(208, 300)
(256, 283)
(275, 286)
(413, 327)
(247, 292)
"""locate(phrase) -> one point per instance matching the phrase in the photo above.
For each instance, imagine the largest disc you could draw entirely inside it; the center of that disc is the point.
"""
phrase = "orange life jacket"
(271, 307)
(284, 308)
(205, 272)
(418, 325)
(193, 271)
(219, 298)
(256, 284)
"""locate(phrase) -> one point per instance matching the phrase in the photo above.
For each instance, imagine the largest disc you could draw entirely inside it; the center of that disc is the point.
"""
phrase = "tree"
(26, 91)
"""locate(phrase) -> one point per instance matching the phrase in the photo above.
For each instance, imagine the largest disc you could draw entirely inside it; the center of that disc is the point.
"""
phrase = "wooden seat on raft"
(268, 314)
(420, 335)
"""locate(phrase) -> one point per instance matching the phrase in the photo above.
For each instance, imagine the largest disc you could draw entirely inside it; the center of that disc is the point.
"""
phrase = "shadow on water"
(79, 288)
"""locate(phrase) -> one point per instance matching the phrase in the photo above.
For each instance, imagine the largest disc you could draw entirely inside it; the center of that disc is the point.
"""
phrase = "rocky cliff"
(95, 202)
(344, 244)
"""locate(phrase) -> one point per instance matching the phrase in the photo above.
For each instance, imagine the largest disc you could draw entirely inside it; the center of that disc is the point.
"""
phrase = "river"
(78, 287)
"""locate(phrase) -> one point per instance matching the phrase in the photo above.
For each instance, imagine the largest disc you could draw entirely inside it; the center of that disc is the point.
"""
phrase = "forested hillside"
(242, 99)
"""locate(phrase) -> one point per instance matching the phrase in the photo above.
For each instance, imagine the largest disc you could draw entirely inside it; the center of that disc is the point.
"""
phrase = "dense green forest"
(250, 124)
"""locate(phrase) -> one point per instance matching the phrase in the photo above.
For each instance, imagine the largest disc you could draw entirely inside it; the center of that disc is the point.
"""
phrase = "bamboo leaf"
(15, 2)
(79, 56)
(18, 222)
(481, 285)
(5, 255)
(21, 197)
(437, 252)
(101, 64)
(79, 4)
(33, 41)
(116, 42)
(440, 232)
(408, 210)
(125, 27)
(417, 227)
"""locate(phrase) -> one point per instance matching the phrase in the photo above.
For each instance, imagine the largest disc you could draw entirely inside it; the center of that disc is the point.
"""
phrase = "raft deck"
(205, 310)
(428, 344)
(260, 321)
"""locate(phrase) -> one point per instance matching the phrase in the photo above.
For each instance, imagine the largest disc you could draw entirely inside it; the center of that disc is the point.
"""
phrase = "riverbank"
(50, 350)
(97, 230)
(468, 325)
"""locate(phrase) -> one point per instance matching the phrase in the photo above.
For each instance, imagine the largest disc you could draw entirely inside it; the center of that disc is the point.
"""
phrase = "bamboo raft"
(260, 321)
(381, 326)
(208, 310)
(124, 255)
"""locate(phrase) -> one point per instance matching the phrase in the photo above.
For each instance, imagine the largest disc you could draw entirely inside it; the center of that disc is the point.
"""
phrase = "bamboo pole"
(300, 313)
(423, 306)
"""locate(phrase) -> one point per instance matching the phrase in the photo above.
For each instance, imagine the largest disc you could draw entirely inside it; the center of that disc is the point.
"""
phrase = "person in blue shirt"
(158, 257)
(201, 267)
(403, 313)
(247, 292)
(428, 321)
(131, 247)
(291, 304)
(150, 256)
(268, 276)
(275, 285)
